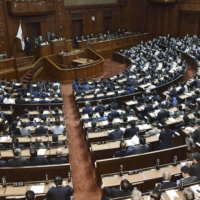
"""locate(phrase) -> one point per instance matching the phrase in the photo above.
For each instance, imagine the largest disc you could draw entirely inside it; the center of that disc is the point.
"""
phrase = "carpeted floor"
(82, 171)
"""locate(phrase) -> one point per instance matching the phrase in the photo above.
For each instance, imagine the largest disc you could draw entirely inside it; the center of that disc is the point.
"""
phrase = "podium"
(43, 50)
(58, 46)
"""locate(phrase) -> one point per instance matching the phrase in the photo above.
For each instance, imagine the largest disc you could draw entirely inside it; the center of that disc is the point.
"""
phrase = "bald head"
(59, 152)
(166, 176)
(38, 139)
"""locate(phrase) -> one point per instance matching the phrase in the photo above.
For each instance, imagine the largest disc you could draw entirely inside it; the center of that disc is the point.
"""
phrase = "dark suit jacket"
(141, 149)
(41, 130)
(17, 146)
(99, 108)
(130, 132)
(121, 153)
(162, 114)
(86, 110)
(56, 101)
(166, 185)
(116, 134)
(166, 139)
(2, 163)
(43, 101)
(39, 145)
(16, 131)
(113, 192)
(39, 160)
(20, 101)
(60, 193)
(17, 162)
(195, 170)
(191, 179)
(196, 135)
(2, 146)
(32, 102)
(58, 160)
(114, 114)
(108, 126)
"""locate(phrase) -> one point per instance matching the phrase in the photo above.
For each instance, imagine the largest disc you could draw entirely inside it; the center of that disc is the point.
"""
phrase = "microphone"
(181, 184)
(69, 177)
(121, 170)
(46, 178)
(66, 143)
(158, 186)
(158, 164)
(4, 181)
(175, 160)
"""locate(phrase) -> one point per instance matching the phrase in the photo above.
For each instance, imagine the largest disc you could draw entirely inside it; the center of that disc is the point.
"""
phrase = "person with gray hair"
(59, 158)
(194, 137)
(136, 195)
(87, 108)
(17, 161)
(166, 183)
(117, 133)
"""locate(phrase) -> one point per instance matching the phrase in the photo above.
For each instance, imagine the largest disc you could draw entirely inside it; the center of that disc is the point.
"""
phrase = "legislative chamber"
(100, 99)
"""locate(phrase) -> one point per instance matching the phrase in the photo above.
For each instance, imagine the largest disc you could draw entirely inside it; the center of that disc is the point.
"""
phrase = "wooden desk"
(80, 61)
(43, 50)
(107, 166)
(58, 46)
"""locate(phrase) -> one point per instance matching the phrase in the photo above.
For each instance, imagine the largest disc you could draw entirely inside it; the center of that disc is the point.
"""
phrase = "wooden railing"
(25, 61)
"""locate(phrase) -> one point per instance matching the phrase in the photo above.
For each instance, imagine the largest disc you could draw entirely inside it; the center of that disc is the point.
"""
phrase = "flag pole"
(13, 42)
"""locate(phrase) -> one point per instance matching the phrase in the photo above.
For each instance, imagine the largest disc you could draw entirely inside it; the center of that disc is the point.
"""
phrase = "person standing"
(27, 45)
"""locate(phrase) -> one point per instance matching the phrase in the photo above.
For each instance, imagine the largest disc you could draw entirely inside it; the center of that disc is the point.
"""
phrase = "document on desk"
(195, 188)
(3, 139)
(117, 120)
(38, 189)
(140, 127)
(172, 194)
(171, 119)
(183, 163)
(189, 94)
(45, 112)
(104, 122)
(146, 126)
(135, 140)
(41, 152)
(190, 129)
(130, 103)
(131, 118)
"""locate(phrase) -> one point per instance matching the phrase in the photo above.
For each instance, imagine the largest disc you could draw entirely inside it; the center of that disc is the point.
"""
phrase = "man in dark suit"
(41, 130)
(110, 124)
(55, 141)
(39, 144)
(40, 41)
(43, 101)
(166, 183)
(32, 101)
(1, 97)
(58, 159)
(162, 114)
(99, 106)
(93, 128)
(15, 143)
(130, 132)
(30, 195)
(187, 179)
(117, 133)
(87, 108)
(113, 103)
(27, 44)
(19, 99)
(56, 100)
(113, 112)
(195, 165)
(61, 191)
(142, 147)
(37, 160)
(123, 150)
(114, 193)
(17, 161)
(166, 138)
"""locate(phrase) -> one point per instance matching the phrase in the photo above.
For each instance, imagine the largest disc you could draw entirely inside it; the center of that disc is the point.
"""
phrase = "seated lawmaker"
(102, 117)
(162, 114)
(114, 193)
(87, 108)
(55, 141)
(194, 165)
(110, 123)
(186, 122)
(58, 159)
(52, 36)
(123, 150)
(17, 161)
(13, 130)
(117, 133)
(113, 112)
(39, 144)
(187, 179)
(141, 148)
(41, 130)
(15, 143)
(166, 183)
(24, 129)
(93, 128)
(130, 132)
(99, 106)
(61, 191)
(58, 128)
(56, 99)
(37, 160)
(166, 138)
